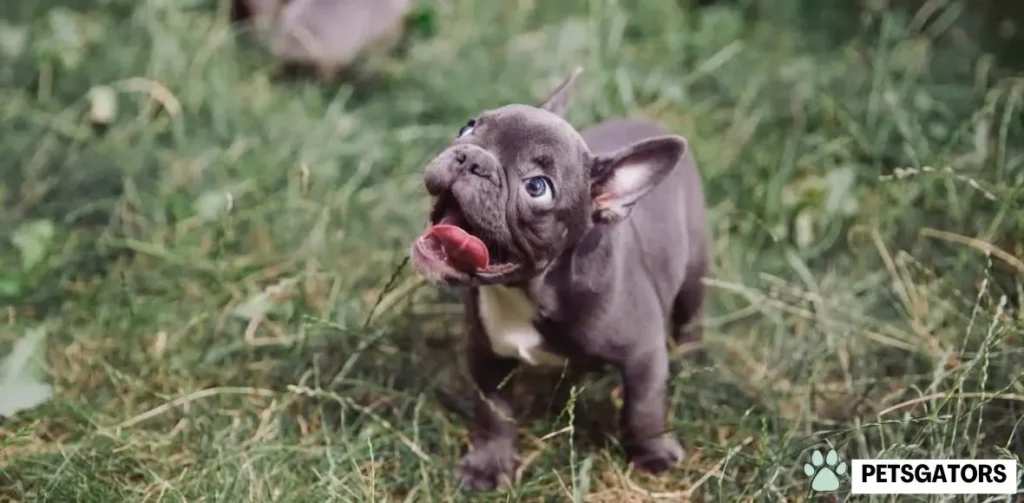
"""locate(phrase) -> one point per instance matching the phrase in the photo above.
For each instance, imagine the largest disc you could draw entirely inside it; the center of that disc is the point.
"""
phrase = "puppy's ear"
(618, 180)
(559, 99)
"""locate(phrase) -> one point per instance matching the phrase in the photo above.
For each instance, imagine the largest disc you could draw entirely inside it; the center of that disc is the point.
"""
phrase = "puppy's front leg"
(643, 422)
(491, 457)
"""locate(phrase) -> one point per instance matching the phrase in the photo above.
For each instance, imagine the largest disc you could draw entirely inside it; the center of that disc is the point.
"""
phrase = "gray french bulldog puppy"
(572, 248)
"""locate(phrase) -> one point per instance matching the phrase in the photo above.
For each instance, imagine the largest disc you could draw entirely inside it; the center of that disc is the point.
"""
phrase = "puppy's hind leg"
(645, 435)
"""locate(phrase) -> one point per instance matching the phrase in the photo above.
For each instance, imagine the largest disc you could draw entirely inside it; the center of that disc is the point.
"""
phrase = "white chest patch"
(507, 316)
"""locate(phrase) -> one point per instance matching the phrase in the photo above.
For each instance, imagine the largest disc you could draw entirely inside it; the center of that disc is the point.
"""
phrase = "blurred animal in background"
(326, 35)
(261, 12)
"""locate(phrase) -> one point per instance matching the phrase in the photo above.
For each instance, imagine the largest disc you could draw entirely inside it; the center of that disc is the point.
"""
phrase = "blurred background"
(203, 256)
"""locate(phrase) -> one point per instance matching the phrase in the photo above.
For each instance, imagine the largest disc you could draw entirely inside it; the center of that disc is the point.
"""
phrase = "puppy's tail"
(686, 311)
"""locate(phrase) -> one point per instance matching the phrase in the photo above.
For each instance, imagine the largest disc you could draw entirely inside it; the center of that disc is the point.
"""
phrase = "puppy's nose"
(444, 169)
(473, 163)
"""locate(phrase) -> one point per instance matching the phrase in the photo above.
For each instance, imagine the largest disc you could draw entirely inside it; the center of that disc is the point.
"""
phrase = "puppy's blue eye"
(468, 128)
(537, 186)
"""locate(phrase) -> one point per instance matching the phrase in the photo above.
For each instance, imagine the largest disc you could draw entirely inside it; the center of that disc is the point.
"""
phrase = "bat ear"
(619, 179)
(558, 101)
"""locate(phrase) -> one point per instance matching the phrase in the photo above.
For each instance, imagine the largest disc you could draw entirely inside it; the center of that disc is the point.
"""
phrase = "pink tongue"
(464, 250)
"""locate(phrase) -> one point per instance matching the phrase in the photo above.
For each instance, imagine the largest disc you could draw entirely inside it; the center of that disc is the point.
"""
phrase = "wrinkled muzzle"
(467, 234)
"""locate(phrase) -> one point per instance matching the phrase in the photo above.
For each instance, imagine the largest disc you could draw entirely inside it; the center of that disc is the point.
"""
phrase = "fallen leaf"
(33, 241)
(841, 198)
(20, 386)
(13, 39)
(266, 301)
(102, 105)
(804, 229)
(22, 394)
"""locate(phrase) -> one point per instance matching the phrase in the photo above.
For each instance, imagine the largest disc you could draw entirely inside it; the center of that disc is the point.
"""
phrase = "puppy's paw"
(487, 466)
(656, 455)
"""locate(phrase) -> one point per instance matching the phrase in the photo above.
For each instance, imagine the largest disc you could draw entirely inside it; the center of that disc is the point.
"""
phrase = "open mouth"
(448, 245)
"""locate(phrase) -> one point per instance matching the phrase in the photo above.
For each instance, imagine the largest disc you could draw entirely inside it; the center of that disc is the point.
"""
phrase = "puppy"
(572, 248)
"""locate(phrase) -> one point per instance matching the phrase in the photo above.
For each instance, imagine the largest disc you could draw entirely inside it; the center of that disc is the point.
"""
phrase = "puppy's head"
(518, 187)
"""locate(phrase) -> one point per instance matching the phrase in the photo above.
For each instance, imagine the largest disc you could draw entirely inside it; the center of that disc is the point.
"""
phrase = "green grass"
(835, 316)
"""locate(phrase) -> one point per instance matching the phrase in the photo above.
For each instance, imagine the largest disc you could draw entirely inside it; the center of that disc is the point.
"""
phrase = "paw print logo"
(824, 471)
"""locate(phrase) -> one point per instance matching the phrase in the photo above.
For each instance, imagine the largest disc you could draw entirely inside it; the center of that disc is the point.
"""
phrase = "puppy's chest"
(508, 316)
